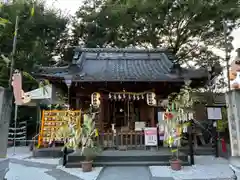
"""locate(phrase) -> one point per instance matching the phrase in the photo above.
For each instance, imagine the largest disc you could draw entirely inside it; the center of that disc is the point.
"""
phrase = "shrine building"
(131, 84)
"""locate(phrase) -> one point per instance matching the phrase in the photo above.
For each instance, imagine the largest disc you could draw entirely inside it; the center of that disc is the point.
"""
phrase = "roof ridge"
(53, 67)
(120, 50)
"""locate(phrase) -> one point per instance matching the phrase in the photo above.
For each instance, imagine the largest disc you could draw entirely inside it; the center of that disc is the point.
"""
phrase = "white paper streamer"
(18, 133)
(20, 128)
(18, 138)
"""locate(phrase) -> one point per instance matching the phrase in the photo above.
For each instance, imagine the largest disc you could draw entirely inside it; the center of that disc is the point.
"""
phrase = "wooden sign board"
(52, 120)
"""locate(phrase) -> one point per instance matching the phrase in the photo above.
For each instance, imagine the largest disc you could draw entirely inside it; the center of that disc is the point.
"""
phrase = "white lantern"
(95, 99)
(151, 99)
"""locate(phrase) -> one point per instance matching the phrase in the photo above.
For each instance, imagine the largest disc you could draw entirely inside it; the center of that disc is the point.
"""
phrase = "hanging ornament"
(185, 117)
(142, 96)
(190, 116)
(119, 97)
(114, 97)
(134, 97)
(168, 116)
(110, 96)
(138, 98)
(129, 97)
(184, 128)
(179, 131)
(173, 108)
(124, 96)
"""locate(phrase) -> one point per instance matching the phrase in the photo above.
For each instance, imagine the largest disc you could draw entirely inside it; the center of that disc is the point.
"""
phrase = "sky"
(71, 6)
(68, 6)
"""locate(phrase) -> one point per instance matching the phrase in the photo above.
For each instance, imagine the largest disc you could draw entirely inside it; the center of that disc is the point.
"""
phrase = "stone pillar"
(233, 109)
(4, 167)
(5, 115)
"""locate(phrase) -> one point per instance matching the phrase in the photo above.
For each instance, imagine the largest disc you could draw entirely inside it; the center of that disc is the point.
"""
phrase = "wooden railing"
(121, 140)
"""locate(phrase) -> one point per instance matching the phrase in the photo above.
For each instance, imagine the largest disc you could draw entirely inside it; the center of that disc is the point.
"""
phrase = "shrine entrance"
(124, 114)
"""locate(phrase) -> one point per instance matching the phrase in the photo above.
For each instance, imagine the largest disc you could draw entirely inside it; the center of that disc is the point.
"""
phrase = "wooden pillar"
(101, 113)
(107, 115)
(151, 116)
(77, 103)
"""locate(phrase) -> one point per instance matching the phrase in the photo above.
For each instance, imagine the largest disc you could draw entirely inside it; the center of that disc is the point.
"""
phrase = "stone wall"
(5, 116)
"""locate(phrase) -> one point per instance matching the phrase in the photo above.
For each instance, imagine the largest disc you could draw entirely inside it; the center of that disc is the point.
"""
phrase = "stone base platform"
(159, 157)
(51, 152)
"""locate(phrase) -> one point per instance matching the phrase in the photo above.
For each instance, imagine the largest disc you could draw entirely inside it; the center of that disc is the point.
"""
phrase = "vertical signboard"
(150, 136)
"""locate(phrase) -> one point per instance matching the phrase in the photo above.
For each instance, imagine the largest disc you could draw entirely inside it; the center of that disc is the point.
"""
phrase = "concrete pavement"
(125, 173)
(24, 168)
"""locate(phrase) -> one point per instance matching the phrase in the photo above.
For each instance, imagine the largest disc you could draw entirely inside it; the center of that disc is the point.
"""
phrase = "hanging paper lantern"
(151, 99)
(95, 99)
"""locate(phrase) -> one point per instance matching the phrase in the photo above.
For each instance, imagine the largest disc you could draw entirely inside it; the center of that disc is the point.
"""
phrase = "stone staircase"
(127, 158)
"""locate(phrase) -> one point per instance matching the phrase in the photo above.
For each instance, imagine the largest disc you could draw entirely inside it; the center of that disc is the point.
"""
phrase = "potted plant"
(45, 145)
(89, 149)
(175, 162)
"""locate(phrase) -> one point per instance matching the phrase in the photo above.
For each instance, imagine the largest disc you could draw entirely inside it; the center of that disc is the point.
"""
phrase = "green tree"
(39, 33)
(187, 27)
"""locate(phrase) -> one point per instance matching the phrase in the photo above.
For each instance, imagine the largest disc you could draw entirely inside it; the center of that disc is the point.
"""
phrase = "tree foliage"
(39, 32)
(187, 27)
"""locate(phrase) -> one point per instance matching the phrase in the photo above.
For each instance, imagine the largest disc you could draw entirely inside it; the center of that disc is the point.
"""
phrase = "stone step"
(124, 163)
(127, 158)
(54, 152)
(199, 152)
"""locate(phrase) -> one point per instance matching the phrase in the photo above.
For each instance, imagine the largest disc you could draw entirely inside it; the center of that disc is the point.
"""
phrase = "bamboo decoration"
(179, 107)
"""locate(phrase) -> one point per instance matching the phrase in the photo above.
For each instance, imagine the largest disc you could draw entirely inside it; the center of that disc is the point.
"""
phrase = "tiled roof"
(119, 65)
